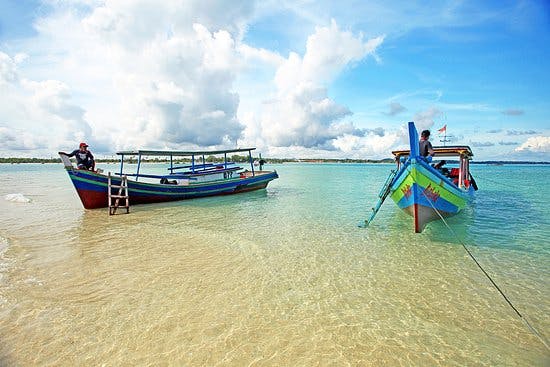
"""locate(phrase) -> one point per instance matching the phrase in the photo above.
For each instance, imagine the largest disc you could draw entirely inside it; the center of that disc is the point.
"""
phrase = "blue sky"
(294, 78)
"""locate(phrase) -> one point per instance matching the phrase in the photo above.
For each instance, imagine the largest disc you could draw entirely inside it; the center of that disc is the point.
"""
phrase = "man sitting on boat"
(426, 149)
(84, 158)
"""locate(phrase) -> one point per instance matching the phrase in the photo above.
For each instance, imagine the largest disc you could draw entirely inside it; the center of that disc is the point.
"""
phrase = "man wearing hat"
(84, 158)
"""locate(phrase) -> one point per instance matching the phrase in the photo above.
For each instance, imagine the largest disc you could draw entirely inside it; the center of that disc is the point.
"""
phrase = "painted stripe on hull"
(92, 189)
(446, 190)
(421, 195)
(417, 191)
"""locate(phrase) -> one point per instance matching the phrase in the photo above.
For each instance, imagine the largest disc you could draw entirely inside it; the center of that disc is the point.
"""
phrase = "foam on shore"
(17, 198)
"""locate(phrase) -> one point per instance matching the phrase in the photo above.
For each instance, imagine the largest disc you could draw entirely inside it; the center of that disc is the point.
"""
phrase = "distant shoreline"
(245, 159)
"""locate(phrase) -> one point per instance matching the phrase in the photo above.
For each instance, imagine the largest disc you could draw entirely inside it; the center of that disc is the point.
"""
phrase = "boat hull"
(92, 188)
(425, 194)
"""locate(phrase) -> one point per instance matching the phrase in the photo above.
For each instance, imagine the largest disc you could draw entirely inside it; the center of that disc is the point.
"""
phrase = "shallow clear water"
(281, 276)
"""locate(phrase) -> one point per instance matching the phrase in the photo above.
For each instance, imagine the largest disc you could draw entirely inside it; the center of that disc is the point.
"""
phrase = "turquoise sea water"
(281, 276)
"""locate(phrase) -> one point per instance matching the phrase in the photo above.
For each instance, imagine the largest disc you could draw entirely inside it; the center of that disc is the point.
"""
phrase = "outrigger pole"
(386, 188)
(382, 197)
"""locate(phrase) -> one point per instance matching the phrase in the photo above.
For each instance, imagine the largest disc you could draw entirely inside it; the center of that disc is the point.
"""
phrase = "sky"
(296, 79)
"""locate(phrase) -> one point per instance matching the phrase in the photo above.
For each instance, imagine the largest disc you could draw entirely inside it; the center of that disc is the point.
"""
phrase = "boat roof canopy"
(456, 150)
(168, 153)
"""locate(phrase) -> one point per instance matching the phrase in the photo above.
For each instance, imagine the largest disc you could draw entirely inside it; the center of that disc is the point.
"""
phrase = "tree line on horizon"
(212, 159)
(242, 159)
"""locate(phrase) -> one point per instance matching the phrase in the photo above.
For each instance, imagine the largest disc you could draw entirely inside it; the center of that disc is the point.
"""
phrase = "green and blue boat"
(424, 187)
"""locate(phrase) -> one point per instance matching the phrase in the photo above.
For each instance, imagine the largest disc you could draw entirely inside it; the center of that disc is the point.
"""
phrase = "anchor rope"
(497, 182)
(531, 327)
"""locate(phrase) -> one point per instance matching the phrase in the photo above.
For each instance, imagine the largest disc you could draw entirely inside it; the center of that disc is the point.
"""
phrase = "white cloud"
(536, 144)
(8, 69)
(328, 51)
(254, 55)
(32, 112)
(135, 23)
(302, 113)
(185, 97)
(16, 140)
(395, 108)
(372, 145)
(424, 120)
(52, 97)
(178, 87)
(146, 74)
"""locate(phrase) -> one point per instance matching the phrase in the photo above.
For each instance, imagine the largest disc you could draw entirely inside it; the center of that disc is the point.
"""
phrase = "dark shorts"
(87, 165)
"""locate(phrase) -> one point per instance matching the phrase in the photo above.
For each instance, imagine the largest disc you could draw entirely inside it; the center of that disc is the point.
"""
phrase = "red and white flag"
(443, 129)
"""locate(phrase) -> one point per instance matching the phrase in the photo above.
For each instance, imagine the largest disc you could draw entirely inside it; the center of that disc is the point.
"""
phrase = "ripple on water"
(3, 245)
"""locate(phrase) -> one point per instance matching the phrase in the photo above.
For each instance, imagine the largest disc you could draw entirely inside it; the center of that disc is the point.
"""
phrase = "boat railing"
(196, 166)
(201, 167)
(190, 175)
(173, 176)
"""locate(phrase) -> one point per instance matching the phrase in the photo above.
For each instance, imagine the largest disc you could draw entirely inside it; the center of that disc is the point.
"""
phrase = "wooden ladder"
(122, 194)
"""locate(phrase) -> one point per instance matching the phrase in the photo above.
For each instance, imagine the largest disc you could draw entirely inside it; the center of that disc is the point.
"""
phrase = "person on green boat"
(426, 149)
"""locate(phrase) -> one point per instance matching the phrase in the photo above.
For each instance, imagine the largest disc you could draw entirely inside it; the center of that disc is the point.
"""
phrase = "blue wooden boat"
(189, 181)
(425, 190)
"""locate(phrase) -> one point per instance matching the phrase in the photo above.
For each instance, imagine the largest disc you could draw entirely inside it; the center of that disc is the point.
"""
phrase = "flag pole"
(444, 131)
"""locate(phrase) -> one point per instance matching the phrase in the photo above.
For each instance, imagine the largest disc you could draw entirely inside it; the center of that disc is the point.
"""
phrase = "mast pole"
(251, 162)
(138, 166)
(121, 163)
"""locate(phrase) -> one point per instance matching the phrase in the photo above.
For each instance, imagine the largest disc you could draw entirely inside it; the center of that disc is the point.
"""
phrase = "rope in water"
(532, 328)
(500, 183)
